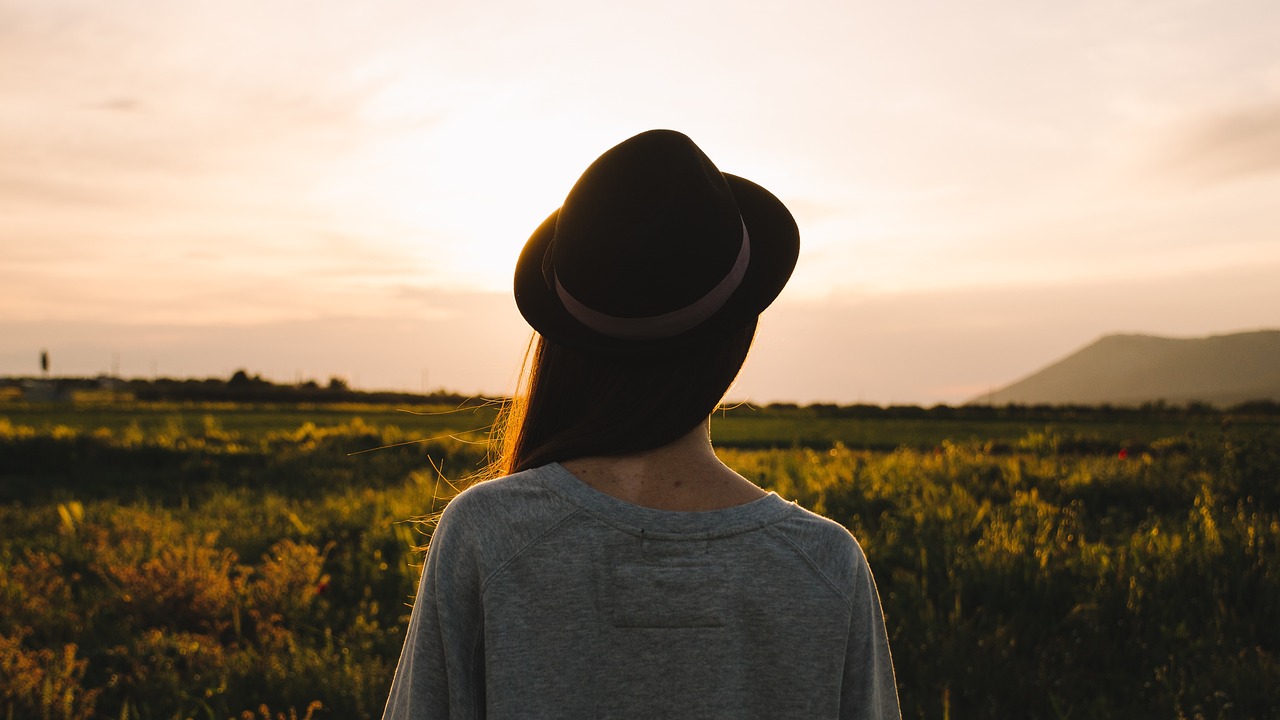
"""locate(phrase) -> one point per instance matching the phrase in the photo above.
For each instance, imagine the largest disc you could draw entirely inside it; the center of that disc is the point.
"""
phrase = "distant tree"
(337, 384)
(1199, 407)
(1261, 407)
(1154, 406)
(240, 378)
(825, 409)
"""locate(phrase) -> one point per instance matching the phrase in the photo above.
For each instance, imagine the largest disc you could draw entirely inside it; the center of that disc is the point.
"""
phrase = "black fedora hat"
(654, 248)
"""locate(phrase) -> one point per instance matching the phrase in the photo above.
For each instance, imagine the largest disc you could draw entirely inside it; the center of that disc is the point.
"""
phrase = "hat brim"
(775, 246)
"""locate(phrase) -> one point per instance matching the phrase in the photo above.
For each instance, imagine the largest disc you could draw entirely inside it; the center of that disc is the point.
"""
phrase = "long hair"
(571, 404)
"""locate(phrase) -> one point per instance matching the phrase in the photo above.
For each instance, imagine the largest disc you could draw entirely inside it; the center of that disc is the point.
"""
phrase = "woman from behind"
(616, 568)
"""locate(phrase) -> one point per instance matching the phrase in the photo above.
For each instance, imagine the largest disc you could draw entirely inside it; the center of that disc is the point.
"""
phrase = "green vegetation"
(166, 560)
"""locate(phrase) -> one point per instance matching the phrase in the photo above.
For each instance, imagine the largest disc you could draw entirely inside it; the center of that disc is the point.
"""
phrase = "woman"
(618, 569)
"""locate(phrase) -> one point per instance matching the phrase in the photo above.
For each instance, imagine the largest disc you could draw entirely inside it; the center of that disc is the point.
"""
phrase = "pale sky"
(307, 189)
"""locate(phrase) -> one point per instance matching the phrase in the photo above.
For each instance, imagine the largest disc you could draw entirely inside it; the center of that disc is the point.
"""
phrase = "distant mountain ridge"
(1134, 369)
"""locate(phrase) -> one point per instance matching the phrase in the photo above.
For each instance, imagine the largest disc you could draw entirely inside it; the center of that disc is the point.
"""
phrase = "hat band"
(667, 324)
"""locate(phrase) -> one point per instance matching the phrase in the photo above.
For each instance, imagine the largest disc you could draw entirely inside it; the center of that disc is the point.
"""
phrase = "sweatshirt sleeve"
(869, 690)
(439, 674)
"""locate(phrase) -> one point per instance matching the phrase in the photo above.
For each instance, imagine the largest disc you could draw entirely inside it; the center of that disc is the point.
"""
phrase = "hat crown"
(653, 249)
(651, 227)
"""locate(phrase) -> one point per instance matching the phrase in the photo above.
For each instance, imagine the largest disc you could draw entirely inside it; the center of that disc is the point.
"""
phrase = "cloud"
(120, 104)
(157, 99)
(1238, 142)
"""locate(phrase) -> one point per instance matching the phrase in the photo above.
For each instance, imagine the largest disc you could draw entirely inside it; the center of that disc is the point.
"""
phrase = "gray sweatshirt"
(544, 598)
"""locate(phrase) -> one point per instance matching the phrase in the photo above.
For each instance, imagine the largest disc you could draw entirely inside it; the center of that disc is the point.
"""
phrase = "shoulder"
(520, 498)
(828, 547)
(496, 518)
(498, 493)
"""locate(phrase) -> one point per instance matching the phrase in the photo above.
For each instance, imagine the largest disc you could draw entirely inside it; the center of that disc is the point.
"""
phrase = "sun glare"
(464, 192)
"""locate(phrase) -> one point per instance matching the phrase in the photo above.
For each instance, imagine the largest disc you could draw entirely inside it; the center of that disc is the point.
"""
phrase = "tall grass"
(183, 569)
(1036, 584)
(202, 573)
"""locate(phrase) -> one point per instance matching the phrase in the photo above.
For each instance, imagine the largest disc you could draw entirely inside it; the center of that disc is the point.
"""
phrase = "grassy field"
(741, 426)
(230, 561)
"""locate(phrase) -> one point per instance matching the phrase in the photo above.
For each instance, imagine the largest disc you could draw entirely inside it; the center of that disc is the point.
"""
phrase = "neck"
(684, 475)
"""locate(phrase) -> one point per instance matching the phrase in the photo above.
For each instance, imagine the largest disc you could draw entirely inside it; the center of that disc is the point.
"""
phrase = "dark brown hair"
(573, 404)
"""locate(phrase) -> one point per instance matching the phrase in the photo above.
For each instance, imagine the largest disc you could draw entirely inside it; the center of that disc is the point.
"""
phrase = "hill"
(1135, 369)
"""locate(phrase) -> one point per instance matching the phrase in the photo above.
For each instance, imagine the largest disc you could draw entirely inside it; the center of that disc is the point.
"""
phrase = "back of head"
(578, 404)
(644, 288)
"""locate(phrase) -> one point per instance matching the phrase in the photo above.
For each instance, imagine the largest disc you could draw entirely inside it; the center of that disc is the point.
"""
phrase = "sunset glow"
(341, 189)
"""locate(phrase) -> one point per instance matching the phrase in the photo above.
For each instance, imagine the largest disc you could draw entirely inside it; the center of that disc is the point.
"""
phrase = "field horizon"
(243, 386)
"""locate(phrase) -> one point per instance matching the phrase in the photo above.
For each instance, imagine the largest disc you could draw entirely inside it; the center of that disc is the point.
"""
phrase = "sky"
(316, 189)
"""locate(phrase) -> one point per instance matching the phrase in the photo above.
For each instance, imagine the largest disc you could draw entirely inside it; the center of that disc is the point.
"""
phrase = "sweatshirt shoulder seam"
(813, 565)
(484, 585)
